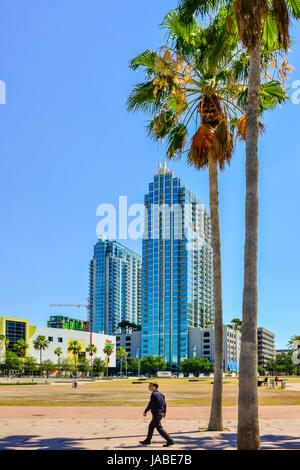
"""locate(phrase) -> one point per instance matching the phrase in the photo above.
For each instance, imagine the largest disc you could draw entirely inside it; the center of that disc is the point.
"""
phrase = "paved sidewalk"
(56, 428)
(136, 412)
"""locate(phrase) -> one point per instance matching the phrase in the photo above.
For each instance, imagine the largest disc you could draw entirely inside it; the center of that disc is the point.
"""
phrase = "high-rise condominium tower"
(177, 271)
(115, 287)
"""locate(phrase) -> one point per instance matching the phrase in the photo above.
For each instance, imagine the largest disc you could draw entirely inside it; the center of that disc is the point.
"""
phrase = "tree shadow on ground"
(24, 442)
(188, 440)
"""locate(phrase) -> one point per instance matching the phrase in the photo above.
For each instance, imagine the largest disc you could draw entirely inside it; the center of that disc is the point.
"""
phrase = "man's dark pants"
(156, 423)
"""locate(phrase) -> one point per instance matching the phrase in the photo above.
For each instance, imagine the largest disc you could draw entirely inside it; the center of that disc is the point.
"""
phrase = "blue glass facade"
(177, 269)
(115, 287)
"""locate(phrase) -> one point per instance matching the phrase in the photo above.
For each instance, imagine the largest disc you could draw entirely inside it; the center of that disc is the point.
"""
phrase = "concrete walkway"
(117, 428)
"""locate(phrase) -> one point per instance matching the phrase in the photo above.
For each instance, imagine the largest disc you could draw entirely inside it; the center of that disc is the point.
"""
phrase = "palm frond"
(145, 59)
(143, 98)
(176, 141)
(189, 8)
(294, 8)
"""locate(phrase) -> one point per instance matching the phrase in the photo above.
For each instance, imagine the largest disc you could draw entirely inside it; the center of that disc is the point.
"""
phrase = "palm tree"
(256, 20)
(21, 346)
(41, 343)
(121, 354)
(58, 353)
(91, 349)
(192, 88)
(108, 350)
(75, 348)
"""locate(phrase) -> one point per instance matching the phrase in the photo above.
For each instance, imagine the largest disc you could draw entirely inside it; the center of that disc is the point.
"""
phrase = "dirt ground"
(125, 393)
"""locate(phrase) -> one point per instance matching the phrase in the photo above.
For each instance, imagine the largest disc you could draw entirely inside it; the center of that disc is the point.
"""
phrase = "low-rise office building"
(266, 346)
(202, 343)
(131, 342)
(17, 328)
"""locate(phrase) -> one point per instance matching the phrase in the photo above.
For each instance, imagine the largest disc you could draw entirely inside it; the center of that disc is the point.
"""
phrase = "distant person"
(276, 380)
(266, 380)
(158, 408)
(74, 383)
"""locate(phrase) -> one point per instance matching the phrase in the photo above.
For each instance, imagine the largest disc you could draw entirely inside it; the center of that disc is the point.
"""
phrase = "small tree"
(12, 362)
(83, 365)
(98, 366)
(152, 364)
(236, 323)
(21, 346)
(133, 365)
(66, 366)
(108, 350)
(121, 354)
(48, 366)
(91, 349)
(30, 364)
(5, 340)
(58, 353)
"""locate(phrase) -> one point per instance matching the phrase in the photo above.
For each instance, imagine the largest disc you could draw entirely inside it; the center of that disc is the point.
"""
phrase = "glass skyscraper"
(177, 269)
(115, 287)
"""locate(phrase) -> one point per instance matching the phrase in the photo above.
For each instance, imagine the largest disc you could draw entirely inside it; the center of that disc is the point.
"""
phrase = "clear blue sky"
(68, 144)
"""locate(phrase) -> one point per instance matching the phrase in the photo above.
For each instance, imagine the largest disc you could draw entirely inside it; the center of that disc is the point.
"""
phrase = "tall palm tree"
(193, 89)
(121, 354)
(58, 353)
(41, 343)
(91, 349)
(74, 347)
(256, 20)
(21, 346)
(108, 350)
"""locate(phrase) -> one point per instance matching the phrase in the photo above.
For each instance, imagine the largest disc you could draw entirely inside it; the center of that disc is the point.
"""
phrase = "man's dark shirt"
(157, 403)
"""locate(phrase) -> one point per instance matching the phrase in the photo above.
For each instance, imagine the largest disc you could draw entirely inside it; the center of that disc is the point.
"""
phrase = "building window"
(50, 338)
(206, 334)
(15, 330)
(128, 338)
(60, 340)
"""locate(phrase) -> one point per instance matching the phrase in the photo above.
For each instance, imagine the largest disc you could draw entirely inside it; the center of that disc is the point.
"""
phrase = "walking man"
(158, 408)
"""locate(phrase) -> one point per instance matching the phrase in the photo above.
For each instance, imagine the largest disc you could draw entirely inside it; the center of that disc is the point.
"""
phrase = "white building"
(201, 344)
(58, 337)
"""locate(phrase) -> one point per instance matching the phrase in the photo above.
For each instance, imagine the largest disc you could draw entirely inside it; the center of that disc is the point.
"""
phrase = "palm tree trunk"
(216, 420)
(248, 424)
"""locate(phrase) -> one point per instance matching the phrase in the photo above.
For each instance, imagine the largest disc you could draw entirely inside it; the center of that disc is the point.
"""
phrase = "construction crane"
(87, 306)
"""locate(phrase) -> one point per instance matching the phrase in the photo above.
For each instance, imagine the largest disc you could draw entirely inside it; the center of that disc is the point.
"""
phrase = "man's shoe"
(169, 443)
(145, 443)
